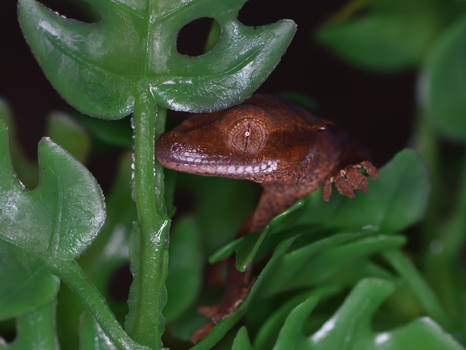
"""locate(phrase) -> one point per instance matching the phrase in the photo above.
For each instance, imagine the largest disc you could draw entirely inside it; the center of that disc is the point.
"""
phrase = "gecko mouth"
(215, 165)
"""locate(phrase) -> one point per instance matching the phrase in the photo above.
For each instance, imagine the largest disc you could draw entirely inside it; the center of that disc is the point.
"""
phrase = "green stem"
(71, 273)
(148, 292)
(418, 286)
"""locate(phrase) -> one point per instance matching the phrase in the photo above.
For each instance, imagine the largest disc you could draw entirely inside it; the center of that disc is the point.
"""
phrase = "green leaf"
(67, 133)
(62, 216)
(349, 328)
(36, 330)
(93, 337)
(308, 266)
(26, 283)
(242, 341)
(184, 269)
(380, 41)
(132, 49)
(268, 333)
(443, 84)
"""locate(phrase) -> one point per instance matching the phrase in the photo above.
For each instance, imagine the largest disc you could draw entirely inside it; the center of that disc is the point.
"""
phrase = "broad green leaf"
(67, 133)
(349, 328)
(242, 341)
(223, 326)
(59, 218)
(443, 84)
(101, 68)
(184, 269)
(36, 330)
(26, 170)
(93, 337)
(26, 283)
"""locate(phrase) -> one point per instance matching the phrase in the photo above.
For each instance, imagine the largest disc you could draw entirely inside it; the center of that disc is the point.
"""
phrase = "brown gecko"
(287, 150)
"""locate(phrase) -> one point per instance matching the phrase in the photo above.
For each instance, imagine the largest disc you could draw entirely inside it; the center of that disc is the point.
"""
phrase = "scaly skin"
(266, 140)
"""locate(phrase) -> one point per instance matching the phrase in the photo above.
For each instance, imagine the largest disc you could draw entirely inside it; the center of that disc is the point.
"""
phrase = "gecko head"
(261, 140)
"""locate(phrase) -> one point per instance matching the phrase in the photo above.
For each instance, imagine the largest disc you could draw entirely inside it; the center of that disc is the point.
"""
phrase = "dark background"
(377, 109)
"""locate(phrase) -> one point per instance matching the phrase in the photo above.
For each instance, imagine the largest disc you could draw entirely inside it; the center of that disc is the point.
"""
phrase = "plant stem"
(71, 273)
(148, 292)
(418, 286)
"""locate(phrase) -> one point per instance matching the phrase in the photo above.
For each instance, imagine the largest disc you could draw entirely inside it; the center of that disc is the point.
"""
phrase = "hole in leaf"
(193, 37)
(119, 283)
(8, 330)
(78, 10)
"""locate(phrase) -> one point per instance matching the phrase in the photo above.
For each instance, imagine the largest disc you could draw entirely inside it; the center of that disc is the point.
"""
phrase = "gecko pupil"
(247, 136)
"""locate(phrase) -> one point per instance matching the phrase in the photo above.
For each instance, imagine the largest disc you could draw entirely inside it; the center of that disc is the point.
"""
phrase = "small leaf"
(184, 269)
(62, 216)
(443, 86)
(242, 341)
(132, 49)
(67, 133)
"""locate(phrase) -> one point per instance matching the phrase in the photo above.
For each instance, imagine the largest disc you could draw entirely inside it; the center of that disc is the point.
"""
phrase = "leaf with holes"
(101, 68)
(59, 218)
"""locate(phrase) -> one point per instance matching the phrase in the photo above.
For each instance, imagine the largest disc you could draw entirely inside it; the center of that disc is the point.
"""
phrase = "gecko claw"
(349, 179)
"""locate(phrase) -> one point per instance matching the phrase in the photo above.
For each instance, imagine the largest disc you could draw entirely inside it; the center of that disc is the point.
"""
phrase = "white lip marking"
(240, 170)
(249, 169)
(231, 169)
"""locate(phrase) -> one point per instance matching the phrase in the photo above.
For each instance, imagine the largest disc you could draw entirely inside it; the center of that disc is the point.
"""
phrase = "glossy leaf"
(349, 327)
(184, 269)
(62, 216)
(36, 330)
(133, 47)
(67, 133)
(115, 133)
(443, 86)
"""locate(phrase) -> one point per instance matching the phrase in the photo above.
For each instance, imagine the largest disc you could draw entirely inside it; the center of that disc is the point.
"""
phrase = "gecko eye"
(247, 135)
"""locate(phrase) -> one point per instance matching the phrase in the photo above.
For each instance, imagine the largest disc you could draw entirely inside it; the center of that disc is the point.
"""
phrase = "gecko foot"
(349, 179)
